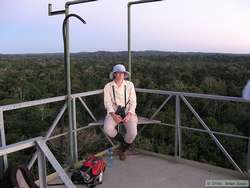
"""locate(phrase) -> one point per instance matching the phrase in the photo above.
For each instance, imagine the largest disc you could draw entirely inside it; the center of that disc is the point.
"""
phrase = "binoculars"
(121, 111)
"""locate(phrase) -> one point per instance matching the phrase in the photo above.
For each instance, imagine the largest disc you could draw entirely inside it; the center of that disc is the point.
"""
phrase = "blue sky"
(171, 25)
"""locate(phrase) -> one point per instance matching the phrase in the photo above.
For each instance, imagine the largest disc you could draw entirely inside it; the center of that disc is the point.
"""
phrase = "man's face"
(119, 76)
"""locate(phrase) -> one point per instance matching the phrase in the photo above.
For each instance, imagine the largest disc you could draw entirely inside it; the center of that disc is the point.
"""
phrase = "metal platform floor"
(145, 171)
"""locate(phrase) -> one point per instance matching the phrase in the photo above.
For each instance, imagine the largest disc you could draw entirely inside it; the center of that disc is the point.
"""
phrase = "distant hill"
(137, 56)
(125, 53)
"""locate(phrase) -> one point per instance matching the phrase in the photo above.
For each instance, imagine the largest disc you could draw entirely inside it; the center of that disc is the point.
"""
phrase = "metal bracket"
(52, 13)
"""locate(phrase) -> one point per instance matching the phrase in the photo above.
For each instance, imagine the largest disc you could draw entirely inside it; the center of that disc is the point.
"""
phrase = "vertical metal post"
(129, 43)
(68, 85)
(74, 131)
(129, 31)
(248, 156)
(176, 136)
(178, 145)
(67, 71)
(41, 168)
(3, 159)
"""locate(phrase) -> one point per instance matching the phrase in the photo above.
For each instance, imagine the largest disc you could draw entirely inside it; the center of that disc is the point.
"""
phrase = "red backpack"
(91, 171)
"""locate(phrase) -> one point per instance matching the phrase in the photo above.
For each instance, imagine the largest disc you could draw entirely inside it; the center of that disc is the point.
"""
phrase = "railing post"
(129, 31)
(41, 168)
(129, 43)
(68, 88)
(74, 131)
(3, 159)
(248, 156)
(178, 145)
(71, 132)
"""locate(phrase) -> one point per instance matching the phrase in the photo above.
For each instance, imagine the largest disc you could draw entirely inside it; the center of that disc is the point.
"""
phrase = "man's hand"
(127, 118)
(117, 118)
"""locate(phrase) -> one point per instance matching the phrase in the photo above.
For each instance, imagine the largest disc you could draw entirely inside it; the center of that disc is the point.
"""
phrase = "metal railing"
(179, 96)
(182, 96)
(43, 153)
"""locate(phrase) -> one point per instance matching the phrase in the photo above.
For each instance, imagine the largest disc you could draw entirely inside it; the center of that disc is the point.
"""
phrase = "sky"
(221, 26)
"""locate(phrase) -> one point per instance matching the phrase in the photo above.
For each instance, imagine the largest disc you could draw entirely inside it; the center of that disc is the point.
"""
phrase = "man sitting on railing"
(120, 103)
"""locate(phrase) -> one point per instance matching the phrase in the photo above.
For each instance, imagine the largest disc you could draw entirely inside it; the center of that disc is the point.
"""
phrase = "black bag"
(12, 179)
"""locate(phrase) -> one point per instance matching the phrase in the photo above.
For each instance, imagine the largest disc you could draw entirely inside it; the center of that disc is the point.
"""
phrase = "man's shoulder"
(129, 83)
(109, 84)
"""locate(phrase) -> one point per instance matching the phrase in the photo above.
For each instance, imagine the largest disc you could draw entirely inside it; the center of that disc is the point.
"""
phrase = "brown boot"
(122, 155)
(123, 151)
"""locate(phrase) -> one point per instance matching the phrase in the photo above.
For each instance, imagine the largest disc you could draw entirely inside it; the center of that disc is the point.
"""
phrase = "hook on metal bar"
(66, 20)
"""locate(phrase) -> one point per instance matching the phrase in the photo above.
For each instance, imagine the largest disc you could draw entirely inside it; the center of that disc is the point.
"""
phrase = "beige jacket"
(111, 104)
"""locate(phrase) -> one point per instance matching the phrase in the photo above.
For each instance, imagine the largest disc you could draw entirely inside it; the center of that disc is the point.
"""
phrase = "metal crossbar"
(205, 131)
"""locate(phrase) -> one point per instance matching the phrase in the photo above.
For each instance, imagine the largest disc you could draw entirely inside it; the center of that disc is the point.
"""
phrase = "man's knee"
(130, 137)
(109, 131)
(109, 126)
(133, 135)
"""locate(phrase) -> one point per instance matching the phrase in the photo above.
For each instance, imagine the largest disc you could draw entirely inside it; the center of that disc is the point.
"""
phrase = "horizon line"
(123, 51)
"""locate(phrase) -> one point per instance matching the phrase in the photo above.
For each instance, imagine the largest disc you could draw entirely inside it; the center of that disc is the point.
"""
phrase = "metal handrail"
(193, 95)
(10, 107)
(140, 90)
(16, 106)
(18, 146)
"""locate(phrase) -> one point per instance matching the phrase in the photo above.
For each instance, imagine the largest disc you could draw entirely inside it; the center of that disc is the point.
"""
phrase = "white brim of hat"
(111, 75)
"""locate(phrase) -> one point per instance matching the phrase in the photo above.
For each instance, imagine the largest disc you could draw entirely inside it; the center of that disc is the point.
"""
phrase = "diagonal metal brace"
(87, 108)
(217, 142)
(156, 112)
(51, 158)
(162, 105)
(49, 132)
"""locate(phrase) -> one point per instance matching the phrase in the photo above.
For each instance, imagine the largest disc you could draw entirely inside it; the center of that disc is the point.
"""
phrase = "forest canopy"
(36, 76)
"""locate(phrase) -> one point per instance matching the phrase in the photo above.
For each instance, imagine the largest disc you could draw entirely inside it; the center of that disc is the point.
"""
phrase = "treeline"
(30, 77)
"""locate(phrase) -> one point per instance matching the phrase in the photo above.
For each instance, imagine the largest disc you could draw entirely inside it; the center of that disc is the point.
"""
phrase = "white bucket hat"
(119, 68)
